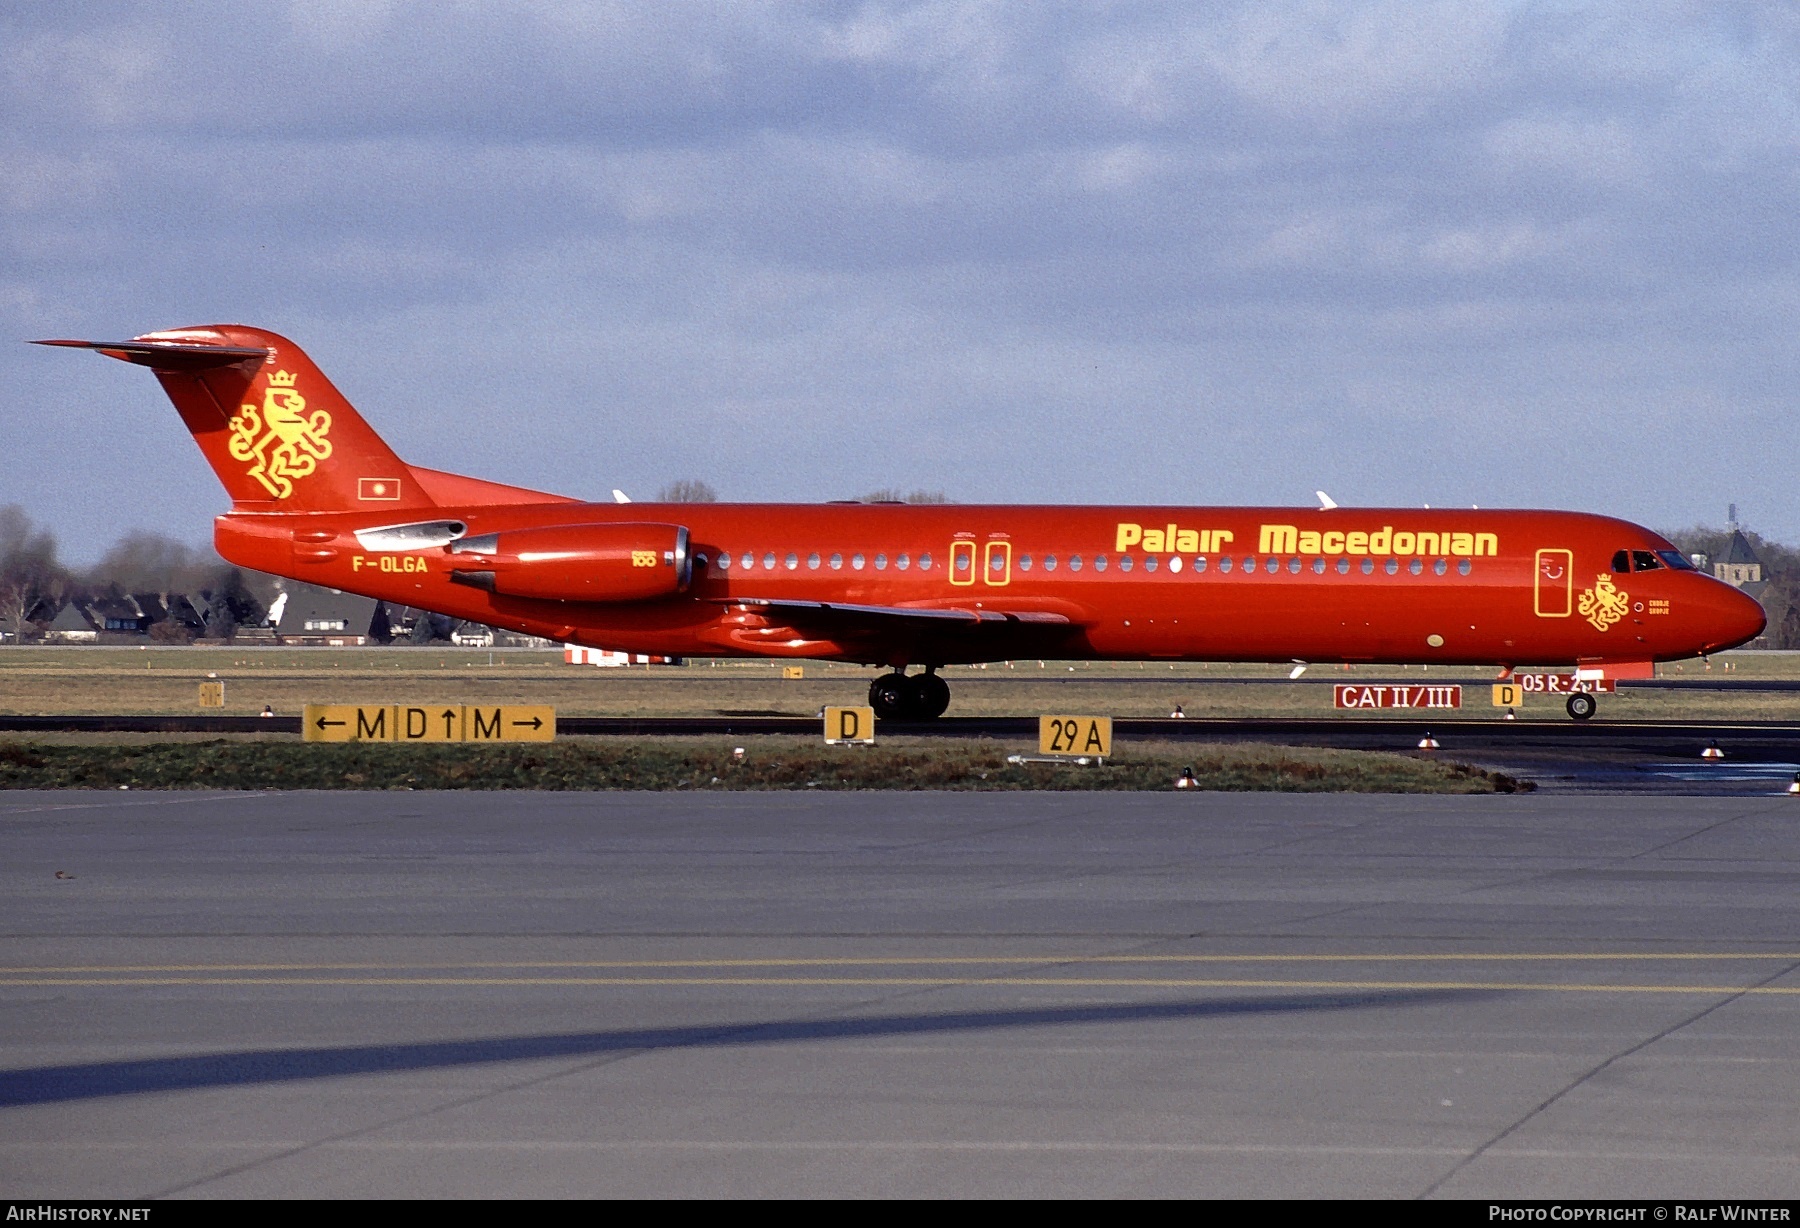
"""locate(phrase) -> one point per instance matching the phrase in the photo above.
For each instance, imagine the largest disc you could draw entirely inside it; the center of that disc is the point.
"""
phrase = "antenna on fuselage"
(1326, 502)
(620, 496)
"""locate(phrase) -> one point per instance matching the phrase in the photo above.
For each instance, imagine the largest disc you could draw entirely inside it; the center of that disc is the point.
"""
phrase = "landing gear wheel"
(1582, 706)
(891, 696)
(930, 696)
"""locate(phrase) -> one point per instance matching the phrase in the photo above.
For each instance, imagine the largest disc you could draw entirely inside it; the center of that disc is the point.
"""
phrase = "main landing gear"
(922, 697)
(1581, 706)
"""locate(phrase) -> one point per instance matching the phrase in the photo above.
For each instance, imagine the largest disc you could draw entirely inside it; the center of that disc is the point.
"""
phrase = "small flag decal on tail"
(377, 489)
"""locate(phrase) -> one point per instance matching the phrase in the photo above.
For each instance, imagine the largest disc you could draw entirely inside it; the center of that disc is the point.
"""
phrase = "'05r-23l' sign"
(1347, 695)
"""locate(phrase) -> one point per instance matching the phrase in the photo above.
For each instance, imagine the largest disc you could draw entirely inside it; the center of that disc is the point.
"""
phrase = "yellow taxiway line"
(919, 982)
(925, 961)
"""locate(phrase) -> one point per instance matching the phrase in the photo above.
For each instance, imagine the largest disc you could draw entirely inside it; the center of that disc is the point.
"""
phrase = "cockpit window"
(1644, 560)
(1675, 559)
(1621, 562)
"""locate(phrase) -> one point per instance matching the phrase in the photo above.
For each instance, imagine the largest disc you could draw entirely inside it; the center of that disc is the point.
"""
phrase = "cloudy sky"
(1531, 254)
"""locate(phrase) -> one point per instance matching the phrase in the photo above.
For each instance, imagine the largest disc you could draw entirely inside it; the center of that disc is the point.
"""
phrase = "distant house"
(472, 635)
(118, 616)
(1740, 566)
(182, 611)
(71, 626)
(325, 617)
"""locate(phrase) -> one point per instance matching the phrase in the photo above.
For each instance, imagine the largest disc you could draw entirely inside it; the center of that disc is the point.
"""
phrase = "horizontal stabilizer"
(169, 355)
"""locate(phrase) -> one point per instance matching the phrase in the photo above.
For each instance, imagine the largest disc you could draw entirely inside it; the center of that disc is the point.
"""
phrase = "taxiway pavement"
(499, 995)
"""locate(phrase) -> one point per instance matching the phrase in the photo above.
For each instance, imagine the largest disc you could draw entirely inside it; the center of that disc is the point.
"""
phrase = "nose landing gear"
(1581, 706)
(922, 697)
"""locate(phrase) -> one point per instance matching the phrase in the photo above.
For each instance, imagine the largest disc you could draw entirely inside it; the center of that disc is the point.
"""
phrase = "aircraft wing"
(891, 617)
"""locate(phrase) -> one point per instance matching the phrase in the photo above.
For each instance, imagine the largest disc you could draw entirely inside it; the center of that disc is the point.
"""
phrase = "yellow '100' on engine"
(591, 562)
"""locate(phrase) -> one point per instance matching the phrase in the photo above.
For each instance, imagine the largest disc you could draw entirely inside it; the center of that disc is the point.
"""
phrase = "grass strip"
(672, 763)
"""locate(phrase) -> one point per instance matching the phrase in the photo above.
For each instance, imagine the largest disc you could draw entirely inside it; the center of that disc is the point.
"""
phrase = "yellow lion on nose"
(1603, 605)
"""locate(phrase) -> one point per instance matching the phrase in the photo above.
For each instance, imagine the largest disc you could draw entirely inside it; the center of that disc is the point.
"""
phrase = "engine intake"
(577, 562)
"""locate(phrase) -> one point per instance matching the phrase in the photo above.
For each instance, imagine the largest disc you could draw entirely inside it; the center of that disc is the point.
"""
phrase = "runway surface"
(498, 995)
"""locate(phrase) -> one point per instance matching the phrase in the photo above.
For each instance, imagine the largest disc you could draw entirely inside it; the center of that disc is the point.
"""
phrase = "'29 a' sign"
(1348, 695)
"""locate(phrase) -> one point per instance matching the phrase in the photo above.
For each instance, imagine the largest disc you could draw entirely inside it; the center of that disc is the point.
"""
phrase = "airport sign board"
(1544, 683)
(428, 723)
(1350, 695)
(1075, 735)
(844, 725)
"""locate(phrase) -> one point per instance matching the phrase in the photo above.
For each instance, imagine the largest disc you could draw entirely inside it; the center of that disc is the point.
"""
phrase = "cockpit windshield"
(1624, 561)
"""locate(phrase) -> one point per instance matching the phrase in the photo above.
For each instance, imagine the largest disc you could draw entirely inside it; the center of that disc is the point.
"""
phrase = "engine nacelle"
(577, 562)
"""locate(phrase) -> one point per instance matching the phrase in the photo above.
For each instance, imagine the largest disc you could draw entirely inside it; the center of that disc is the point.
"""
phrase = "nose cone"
(1733, 618)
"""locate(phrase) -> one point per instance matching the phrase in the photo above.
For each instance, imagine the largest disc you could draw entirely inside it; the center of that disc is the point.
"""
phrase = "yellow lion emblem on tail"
(284, 442)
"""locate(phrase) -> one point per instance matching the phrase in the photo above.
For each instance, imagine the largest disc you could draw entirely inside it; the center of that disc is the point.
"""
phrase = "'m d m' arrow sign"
(429, 723)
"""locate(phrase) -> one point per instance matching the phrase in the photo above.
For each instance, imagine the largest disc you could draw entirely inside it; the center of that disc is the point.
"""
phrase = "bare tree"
(894, 496)
(146, 562)
(29, 571)
(687, 490)
(16, 601)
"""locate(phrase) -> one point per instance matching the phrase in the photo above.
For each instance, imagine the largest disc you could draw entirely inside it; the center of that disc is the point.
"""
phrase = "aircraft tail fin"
(276, 432)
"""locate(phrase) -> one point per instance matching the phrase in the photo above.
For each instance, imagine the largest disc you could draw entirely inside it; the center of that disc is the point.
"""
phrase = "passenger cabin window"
(1643, 560)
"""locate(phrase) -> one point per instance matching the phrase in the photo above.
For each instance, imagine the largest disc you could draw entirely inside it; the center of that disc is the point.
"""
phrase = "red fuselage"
(1380, 585)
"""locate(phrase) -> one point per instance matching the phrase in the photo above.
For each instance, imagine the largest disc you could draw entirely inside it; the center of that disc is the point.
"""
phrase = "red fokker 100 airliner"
(317, 496)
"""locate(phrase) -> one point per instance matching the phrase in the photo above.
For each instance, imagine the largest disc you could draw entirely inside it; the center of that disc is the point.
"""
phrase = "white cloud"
(825, 248)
